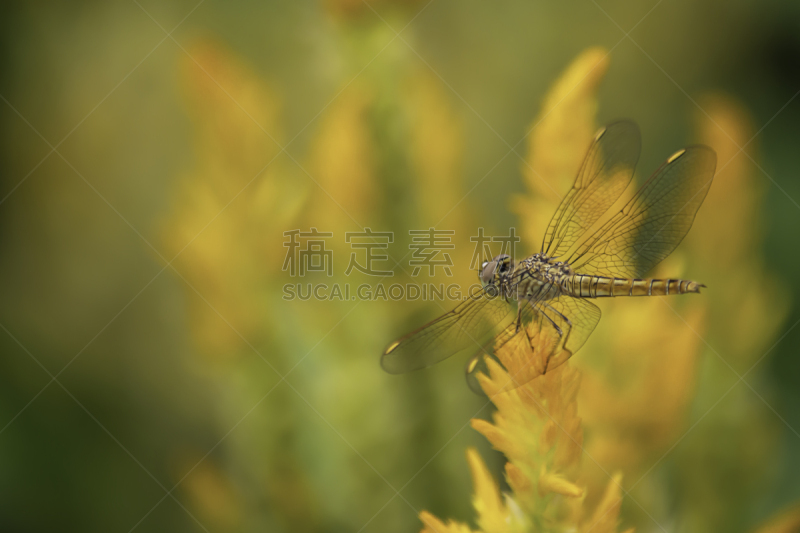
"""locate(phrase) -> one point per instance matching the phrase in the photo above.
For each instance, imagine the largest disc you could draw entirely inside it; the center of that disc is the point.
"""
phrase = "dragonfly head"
(494, 271)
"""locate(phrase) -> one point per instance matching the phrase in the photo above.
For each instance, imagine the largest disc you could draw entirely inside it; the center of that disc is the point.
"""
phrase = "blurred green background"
(142, 392)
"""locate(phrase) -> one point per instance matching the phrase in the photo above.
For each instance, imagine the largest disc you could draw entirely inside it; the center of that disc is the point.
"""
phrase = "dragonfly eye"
(487, 272)
(503, 263)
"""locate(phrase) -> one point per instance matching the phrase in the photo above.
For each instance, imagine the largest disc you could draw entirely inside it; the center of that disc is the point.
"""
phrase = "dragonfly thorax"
(547, 269)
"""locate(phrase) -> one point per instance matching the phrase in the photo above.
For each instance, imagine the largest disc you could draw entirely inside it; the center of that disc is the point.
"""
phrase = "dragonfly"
(589, 251)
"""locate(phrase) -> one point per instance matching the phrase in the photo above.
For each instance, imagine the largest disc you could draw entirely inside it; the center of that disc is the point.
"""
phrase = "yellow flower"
(728, 233)
(229, 210)
(351, 173)
(538, 429)
(342, 162)
(225, 227)
(434, 525)
(558, 141)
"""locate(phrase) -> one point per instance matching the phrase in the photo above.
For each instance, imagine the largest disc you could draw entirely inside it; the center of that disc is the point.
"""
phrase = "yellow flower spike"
(499, 383)
(606, 514)
(342, 160)
(436, 149)
(729, 228)
(566, 123)
(725, 126)
(549, 482)
(493, 434)
(636, 407)
(520, 364)
(725, 241)
(517, 480)
(228, 260)
(570, 450)
(435, 154)
(549, 435)
(537, 428)
(561, 134)
(493, 515)
(434, 525)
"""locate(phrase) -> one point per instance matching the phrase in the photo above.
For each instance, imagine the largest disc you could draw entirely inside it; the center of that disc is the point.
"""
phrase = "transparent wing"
(466, 326)
(653, 222)
(477, 363)
(576, 317)
(605, 173)
(573, 319)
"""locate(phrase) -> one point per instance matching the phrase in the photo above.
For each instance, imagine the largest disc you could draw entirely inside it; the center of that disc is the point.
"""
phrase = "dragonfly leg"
(564, 338)
(543, 314)
(563, 317)
(530, 343)
(530, 298)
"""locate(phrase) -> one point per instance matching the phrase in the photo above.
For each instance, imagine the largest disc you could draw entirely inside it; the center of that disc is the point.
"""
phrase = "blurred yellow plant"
(728, 235)
(355, 8)
(225, 230)
(226, 241)
(558, 141)
(385, 152)
(342, 161)
(748, 310)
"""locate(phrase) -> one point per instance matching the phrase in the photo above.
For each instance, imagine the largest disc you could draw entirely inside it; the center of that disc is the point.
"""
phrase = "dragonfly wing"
(649, 227)
(573, 319)
(466, 326)
(477, 363)
(605, 173)
(576, 317)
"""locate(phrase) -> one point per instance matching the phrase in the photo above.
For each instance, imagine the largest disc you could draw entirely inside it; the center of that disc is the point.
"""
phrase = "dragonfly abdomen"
(584, 286)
